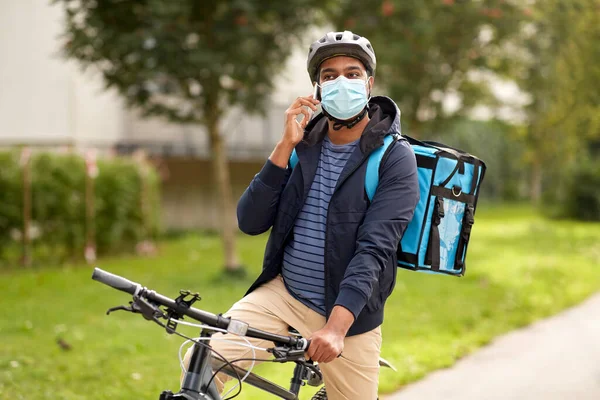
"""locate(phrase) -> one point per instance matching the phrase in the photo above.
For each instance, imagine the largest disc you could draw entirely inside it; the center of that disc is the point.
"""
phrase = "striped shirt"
(303, 260)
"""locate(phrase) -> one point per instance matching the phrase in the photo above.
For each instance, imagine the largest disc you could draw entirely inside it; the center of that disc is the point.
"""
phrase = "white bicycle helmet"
(340, 44)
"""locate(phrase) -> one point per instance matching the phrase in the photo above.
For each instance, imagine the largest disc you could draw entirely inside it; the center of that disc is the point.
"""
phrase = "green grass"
(520, 268)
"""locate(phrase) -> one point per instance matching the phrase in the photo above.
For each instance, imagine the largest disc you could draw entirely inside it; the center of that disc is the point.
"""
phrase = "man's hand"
(293, 131)
(328, 343)
(325, 345)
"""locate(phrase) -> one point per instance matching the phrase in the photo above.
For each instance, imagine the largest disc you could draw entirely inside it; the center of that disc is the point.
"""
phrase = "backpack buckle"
(438, 211)
(440, 207)
(470, 214)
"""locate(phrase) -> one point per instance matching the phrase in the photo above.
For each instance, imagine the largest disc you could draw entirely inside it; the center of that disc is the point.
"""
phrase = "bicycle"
(199, 383)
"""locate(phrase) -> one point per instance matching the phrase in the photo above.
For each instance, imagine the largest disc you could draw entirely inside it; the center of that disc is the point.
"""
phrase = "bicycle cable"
(231, 341)
(249, 345)
(210, 349)
(216, 339)
(233, 362)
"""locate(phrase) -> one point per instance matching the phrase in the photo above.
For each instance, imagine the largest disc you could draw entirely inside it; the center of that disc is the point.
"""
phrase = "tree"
(427, 49)
(559, 68)
(189, 61)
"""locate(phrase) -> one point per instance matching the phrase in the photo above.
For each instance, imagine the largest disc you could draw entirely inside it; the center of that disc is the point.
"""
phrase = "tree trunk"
(222, 178)
(535, 192)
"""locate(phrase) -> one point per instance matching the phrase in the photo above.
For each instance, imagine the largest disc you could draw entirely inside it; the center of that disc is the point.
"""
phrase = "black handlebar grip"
(115, 281)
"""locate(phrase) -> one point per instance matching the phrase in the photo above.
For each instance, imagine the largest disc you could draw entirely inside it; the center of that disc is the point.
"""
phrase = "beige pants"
(354, 375)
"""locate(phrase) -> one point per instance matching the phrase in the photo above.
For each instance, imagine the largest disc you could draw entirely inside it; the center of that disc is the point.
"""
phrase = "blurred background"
(129, 129)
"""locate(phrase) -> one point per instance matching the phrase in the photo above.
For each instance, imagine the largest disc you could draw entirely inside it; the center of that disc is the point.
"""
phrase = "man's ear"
(371, 82)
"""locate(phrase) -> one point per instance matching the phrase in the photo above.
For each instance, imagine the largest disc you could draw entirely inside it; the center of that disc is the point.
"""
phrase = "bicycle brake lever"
(296, 354)
(140, 306)
(285, 354)
(148, 310)
(119, 308)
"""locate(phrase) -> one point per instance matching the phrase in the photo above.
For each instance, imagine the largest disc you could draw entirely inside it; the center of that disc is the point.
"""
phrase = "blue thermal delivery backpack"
(437, 237)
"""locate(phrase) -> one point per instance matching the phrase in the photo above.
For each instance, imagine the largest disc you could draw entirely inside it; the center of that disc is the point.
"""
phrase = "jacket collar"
(384, 120)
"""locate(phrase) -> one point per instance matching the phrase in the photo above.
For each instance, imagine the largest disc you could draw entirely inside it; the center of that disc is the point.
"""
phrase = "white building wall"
(44, 99)
(47, 100)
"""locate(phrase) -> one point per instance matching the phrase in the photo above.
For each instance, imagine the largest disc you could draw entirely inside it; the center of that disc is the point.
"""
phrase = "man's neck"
(345, 135)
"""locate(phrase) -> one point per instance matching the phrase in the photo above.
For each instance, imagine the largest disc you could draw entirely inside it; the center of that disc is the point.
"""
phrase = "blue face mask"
(344, 98)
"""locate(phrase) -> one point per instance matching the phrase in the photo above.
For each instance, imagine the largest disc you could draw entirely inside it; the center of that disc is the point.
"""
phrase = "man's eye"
(327, 77)
(353, 75)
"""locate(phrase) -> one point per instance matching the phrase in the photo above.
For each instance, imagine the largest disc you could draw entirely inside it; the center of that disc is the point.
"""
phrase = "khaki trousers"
(353, 376)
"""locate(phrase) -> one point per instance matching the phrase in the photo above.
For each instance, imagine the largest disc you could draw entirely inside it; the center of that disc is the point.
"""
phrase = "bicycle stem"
(199, 368)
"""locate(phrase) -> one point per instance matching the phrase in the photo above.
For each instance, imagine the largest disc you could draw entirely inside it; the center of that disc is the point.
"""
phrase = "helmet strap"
(349, 123)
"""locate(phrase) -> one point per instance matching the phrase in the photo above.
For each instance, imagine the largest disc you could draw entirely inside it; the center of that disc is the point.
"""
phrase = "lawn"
(521, 267)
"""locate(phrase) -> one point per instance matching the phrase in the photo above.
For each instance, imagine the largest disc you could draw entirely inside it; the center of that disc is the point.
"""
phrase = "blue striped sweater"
(303, 259)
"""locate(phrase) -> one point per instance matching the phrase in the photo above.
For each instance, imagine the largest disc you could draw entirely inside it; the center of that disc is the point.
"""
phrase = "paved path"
(554, 359)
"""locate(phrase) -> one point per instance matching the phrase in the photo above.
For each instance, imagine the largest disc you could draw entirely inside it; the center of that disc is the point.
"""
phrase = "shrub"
(11, 197)
(58, 202)
(582, 192)
(125, 199)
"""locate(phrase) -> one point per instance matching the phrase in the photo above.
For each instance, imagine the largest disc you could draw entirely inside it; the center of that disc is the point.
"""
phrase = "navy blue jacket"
(361, 238)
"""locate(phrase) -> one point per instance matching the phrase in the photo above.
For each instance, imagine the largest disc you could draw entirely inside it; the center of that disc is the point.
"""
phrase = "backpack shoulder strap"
(372, 175)
(293, 159)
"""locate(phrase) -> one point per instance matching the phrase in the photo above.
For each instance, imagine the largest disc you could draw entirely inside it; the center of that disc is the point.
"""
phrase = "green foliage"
(124, 215)
(496, 144)
(187, 60)
(58, 202)
(429, 49)
(582, 195)
(11, 196)
(125, 203)
(559, 68)
(426, 49)
(520, 268)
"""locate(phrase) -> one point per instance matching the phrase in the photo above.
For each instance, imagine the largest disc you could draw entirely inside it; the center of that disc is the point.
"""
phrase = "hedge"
(582, 191)
(125, 203)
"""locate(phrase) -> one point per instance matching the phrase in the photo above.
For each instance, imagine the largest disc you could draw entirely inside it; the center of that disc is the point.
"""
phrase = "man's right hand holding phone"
(293, 130)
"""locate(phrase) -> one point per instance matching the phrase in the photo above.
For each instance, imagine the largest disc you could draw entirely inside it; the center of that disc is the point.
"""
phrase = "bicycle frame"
(200, 371)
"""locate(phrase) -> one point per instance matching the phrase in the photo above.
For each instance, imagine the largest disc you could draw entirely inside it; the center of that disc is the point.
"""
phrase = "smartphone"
(316, 93)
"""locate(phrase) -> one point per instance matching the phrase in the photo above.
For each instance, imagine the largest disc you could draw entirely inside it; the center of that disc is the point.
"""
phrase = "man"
(330, 262)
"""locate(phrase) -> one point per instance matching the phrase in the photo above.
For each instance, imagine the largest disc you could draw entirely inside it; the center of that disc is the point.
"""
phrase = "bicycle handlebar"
(116, 282)
(239, 327)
